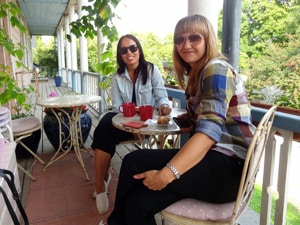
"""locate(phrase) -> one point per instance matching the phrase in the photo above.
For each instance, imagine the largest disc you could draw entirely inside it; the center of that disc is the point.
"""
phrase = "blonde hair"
(194, 24)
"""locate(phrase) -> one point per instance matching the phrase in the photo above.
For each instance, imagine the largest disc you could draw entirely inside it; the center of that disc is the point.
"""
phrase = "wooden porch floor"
(46, 87)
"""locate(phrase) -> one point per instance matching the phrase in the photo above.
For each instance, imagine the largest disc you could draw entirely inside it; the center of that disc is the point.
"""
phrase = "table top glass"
(153, 128)
(68, 100)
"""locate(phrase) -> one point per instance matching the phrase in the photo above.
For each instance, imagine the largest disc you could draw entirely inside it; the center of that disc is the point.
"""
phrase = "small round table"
(158, 133)
(58, 107)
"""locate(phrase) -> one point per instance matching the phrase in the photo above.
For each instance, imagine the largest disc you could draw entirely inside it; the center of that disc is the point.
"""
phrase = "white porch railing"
(284, 124)
(86, 83)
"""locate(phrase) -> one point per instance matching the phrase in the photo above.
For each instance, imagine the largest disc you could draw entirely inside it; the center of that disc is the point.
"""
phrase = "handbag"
(9, 178)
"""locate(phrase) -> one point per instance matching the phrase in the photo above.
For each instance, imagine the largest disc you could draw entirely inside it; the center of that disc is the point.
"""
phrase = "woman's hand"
(183, 116)
(155, 179)
(191, 127)
(164, 109)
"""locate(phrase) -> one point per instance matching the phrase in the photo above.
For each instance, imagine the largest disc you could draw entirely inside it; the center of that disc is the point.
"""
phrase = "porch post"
(99, 42)
(73, 38)
(58, 50)
(208, 8)
(231, 31)
(68, 53)
(68, 44)
(62, 48)
(82, 40)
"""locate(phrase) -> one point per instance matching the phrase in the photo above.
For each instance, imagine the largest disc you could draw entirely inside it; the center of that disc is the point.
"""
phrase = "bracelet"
(174, 170)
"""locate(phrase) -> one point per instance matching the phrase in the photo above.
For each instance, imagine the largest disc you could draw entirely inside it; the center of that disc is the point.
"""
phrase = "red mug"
(128, 109)
(146, 112)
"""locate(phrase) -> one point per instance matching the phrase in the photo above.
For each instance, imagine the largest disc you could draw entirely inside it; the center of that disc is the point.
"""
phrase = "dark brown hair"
(144, 66)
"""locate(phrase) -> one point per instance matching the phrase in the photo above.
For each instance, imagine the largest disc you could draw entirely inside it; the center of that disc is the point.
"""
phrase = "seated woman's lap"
(107, 136)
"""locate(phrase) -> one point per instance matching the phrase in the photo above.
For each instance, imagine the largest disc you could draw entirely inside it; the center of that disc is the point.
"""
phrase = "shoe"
(102, 223)
(106, 183)
(102, 203)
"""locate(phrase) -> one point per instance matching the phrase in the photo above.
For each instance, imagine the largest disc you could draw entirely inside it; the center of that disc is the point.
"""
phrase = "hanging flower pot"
(51, 127)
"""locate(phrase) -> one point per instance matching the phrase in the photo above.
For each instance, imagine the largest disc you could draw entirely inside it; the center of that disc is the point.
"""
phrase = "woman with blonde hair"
(208, 166)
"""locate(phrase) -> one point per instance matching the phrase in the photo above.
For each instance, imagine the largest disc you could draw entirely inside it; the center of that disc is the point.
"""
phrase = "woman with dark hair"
(137, 81)
(208, 166)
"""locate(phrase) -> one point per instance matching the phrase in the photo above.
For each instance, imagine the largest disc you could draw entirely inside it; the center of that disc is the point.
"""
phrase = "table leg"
(160, 141)
(60, 118)
(76, 137)
(74, 127)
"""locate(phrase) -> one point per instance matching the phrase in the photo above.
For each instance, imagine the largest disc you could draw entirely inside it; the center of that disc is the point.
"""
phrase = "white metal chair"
(195, 212)
(5, 124)
(16, 130)
(23, 128)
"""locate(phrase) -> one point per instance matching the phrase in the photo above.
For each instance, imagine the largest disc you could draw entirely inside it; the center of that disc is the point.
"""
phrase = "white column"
(62, 47)
(61, 52)
(99, 42)
(68, 45)
(208, 8)
(72, 17)
(59, 44)
(82, 40)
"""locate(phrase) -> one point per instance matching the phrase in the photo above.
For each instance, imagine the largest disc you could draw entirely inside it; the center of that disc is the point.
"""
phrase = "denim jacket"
(152, 93)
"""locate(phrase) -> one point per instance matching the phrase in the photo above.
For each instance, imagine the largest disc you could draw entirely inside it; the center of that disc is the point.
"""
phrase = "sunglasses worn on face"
(132, 48)
(192, 38)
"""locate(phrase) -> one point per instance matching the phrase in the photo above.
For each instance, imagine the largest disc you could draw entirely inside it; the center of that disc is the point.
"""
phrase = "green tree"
(45, 55)
(269, 50)
(159, 52)
(92, 55)
(263, 21)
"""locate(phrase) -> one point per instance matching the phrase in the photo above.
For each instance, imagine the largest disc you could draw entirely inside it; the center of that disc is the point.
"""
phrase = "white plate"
(163, 125)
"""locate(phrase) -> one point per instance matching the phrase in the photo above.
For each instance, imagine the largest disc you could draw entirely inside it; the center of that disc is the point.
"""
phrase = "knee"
(132, 157)
(101, 154)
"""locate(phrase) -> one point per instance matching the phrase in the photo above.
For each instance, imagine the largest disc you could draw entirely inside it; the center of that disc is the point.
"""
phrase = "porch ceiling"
(43, 16)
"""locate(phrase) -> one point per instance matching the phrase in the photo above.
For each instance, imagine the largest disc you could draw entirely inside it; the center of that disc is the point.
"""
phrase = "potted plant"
(57, 80)
(267, 97)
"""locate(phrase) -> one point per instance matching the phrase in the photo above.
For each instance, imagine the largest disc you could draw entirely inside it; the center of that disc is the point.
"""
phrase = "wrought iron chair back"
(228, 213)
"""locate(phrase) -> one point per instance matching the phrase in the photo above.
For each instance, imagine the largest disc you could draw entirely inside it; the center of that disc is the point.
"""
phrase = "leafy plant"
(279, 67)
(99, 17)
(105, 86)
(9, 89)
(170, 78)
(269, 94)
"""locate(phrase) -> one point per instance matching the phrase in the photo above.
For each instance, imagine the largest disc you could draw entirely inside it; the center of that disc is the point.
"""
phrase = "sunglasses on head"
(132, 48)
(192, 38)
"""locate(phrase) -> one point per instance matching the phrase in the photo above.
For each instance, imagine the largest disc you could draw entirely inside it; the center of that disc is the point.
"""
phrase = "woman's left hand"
(153, 179)
(164, 110)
